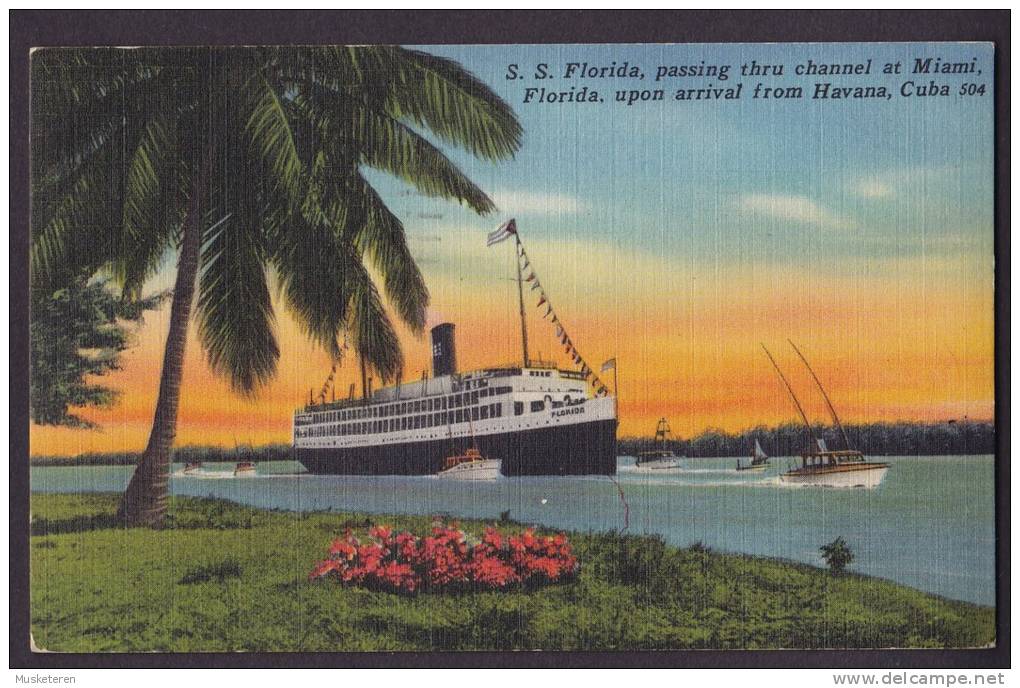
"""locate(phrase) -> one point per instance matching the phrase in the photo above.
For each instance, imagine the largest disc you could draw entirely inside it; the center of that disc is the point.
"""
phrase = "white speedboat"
(192, 468)
(244, 469)
(470, 465)
(824, 468)
(821, 466)
(662, 458)
(660, 461)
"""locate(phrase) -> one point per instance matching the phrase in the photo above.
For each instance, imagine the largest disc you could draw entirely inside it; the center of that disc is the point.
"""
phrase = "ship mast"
(803, 416)
(364, 377)
(520, 296)
(662, 431)
(828, 402)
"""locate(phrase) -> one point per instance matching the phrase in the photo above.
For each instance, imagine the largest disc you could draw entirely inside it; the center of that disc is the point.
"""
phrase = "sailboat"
(821, 466)
(661, 458)
(759, 459)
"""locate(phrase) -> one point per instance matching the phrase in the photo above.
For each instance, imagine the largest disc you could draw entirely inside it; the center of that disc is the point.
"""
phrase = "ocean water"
(929, 525)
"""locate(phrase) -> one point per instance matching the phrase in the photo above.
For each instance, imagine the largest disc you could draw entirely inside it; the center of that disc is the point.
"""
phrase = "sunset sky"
(677, 237)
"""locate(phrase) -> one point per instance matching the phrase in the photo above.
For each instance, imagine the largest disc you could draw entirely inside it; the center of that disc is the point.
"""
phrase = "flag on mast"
(609, 365)
(502, 233)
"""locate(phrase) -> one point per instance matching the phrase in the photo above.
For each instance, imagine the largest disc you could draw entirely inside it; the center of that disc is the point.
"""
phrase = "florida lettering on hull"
(567, 411)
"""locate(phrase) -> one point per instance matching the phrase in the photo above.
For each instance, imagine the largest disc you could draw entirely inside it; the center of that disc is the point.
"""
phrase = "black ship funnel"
(444, 352)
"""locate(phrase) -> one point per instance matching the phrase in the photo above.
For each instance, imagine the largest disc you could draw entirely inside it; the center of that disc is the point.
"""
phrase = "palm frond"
(447, 99)
(340, 197)
(80, 232)
(395, 148)
(314, 267)
(80, 183)
(153, 204)
(382, 142)
(272, 138)
(236, 320)
(373, 334)
(382, 237)
(79, 103)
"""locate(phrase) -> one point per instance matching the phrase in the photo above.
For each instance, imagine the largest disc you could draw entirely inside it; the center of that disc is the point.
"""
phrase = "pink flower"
(323, 568)
(403, 563)
(381, 532)
(343, 549)
(493, 538)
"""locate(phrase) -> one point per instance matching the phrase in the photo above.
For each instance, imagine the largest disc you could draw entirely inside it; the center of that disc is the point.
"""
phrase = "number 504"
(972, 89)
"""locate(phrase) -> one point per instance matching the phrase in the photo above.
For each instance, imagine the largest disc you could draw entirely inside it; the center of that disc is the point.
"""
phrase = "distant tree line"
(878, 439)
(267, 452)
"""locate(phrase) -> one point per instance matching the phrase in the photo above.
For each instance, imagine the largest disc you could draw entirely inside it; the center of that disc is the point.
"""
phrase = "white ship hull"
(487, 469)
(866, 476)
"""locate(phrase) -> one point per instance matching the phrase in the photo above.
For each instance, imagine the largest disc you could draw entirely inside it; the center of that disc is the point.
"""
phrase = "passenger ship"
(536, 419)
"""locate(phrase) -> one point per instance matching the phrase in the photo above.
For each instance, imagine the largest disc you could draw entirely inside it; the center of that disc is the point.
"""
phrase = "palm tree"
(248, 162)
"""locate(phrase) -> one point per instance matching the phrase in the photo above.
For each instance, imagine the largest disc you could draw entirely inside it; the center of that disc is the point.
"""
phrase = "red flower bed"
(403, 562)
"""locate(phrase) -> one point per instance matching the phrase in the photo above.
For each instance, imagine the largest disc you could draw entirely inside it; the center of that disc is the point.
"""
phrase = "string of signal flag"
(329, 384)
(502, 233)
(509, 229)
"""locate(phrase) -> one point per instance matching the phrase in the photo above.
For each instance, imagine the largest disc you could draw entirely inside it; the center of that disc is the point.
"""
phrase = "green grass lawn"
(227, 577)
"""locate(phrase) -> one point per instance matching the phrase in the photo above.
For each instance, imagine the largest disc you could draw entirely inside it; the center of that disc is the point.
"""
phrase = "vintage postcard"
(559, 347)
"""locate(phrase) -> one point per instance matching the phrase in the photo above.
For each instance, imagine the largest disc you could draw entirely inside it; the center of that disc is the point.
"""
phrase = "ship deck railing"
(340, 404)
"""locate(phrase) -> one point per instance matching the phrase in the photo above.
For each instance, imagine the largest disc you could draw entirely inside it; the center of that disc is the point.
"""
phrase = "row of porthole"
(421, 439)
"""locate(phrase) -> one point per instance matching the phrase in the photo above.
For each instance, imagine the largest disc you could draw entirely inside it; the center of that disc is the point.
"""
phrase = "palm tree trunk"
(145, 501)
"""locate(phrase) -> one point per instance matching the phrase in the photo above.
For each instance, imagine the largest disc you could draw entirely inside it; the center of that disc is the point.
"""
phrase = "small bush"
(837, 555)
(228, 568)
(629, 559)
(700, 548)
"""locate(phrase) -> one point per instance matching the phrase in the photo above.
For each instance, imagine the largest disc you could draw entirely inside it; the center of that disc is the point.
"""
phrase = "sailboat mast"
(800, 409)
(520, 296)
(828, 402)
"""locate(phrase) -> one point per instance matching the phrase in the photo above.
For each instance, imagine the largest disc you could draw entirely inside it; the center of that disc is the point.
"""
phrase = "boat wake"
(700, 483)
(637, 470)
(229, 475)
(205, 475)
(777, 481)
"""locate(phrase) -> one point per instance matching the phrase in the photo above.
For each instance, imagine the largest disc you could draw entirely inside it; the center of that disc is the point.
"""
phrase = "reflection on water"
(929, 525)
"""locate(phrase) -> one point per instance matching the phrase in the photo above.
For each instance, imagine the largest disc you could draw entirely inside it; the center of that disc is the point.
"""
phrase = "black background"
(30, 29)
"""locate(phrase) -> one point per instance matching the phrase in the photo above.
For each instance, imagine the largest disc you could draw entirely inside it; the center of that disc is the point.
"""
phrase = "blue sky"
(795, 180)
